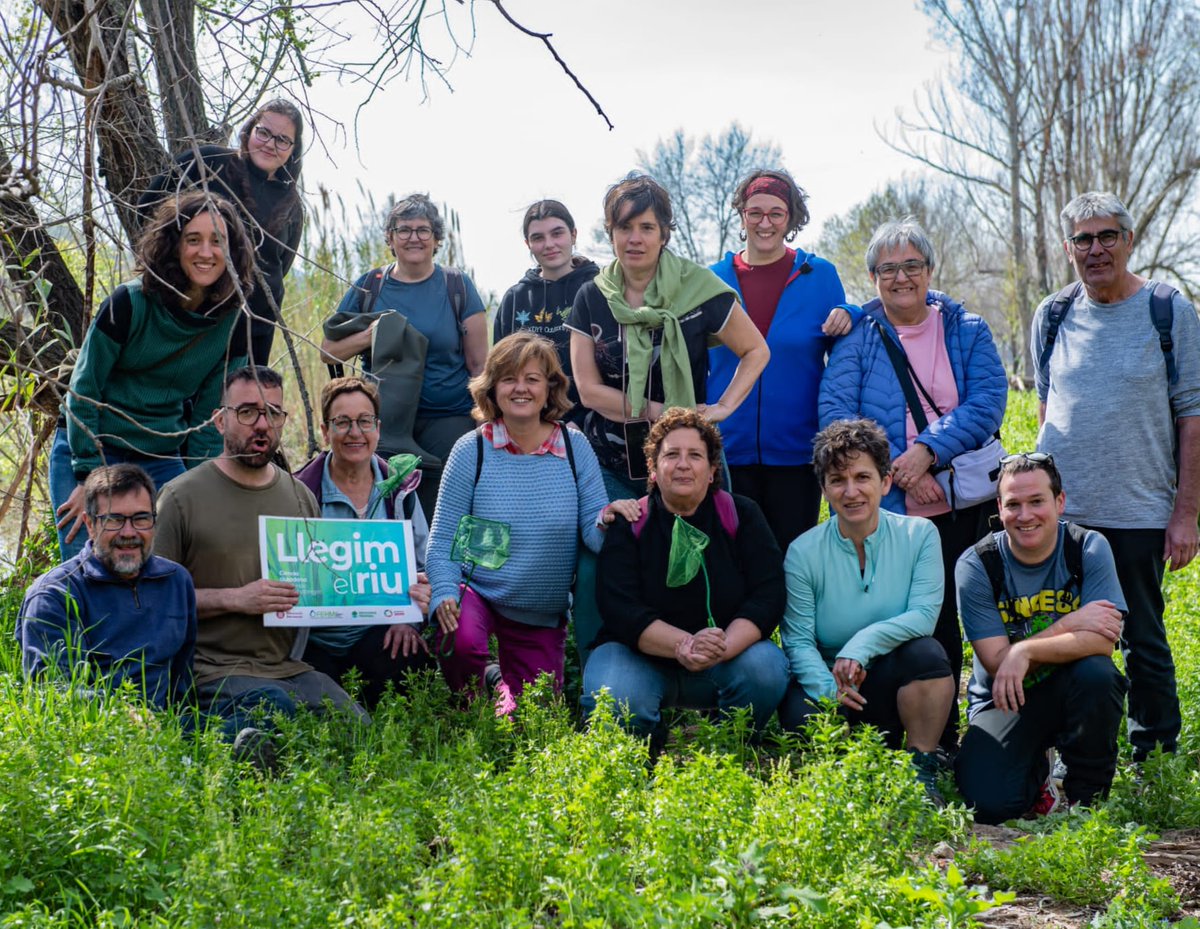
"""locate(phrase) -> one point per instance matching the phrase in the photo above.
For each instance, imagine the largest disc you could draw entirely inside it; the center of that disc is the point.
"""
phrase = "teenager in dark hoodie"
(542, 298)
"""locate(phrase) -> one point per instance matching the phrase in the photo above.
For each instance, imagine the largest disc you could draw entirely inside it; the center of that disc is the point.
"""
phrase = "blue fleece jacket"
(143, 629)
(547, 511)
(861, 382)
(776, 422)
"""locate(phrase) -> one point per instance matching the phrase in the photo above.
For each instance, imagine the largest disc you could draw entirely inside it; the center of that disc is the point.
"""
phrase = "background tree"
(968, 262)
(96, 95)
(701, 178)
(1051, 98)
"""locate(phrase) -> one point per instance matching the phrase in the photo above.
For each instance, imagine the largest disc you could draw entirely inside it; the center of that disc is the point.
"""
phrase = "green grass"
(440, 817)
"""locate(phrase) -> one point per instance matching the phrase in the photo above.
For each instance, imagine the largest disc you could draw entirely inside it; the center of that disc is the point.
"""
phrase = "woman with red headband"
(798, 304)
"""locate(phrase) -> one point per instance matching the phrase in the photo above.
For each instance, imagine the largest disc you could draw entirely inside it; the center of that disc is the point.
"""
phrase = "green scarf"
(678, 287)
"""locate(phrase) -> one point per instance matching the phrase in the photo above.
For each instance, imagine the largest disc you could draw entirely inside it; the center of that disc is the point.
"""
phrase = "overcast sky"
(816, 78)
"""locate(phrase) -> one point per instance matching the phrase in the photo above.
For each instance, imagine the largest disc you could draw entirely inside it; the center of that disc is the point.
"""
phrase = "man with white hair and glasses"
(1117, 360)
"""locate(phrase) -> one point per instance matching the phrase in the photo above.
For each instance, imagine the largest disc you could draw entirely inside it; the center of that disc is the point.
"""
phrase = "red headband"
(766, 184)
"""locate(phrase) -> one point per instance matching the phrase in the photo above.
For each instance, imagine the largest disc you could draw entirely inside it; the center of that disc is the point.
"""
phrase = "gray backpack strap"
(1055, 314)
(1162, 314)
(456, 291)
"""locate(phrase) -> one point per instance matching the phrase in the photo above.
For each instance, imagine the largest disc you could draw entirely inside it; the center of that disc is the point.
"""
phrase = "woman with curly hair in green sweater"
(150, 370)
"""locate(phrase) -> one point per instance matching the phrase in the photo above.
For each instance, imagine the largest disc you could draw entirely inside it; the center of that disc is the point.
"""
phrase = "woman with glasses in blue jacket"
(951, 360)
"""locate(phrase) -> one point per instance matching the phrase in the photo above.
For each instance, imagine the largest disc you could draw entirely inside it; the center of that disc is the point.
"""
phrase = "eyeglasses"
(777, 217)
(248, 414)
(1034, 457)
(423, 233)
(343, 424)
(1083, 241)
(265, 135)
(115, 522)
(910, 268)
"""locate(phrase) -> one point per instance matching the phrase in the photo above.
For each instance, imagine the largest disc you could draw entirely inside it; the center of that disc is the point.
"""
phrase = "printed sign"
(349, 572)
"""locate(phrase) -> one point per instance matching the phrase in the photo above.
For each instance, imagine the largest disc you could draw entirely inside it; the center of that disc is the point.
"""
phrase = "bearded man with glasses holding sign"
(208, 522)
(1117, 360)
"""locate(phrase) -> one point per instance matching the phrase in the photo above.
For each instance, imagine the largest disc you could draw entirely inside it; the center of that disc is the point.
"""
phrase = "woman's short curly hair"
(416, 206)
(796, 197)
(508, 357)
(158, 250)
(347, 385)
(680, 417)
(840, 441)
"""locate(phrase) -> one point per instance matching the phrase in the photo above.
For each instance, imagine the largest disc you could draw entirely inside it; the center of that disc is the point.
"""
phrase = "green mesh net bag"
(687, 559)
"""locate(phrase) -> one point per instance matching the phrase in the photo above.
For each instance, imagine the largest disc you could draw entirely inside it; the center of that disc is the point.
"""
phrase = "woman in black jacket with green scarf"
(640, 334)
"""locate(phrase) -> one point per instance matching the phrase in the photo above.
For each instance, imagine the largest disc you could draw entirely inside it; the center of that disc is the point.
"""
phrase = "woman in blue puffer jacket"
(954, 359)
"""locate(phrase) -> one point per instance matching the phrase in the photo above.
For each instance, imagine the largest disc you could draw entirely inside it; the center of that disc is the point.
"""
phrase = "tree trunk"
(95, 34)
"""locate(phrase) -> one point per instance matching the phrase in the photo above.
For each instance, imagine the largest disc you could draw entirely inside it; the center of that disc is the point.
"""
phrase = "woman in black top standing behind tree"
(262, 176)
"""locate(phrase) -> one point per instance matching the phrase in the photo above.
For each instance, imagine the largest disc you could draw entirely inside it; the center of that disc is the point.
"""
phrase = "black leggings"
(375, 665)
(958, 531)
(921, 659)
(789, 496)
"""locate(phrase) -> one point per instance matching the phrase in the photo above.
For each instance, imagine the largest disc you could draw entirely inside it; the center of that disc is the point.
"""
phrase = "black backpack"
(989, 554)
(1162, 314)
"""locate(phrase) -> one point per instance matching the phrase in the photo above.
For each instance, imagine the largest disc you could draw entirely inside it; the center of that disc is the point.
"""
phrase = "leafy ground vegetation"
(436, 816)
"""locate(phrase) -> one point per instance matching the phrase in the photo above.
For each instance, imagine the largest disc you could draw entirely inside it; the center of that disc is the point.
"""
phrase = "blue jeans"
(643, 686)
(63, 483)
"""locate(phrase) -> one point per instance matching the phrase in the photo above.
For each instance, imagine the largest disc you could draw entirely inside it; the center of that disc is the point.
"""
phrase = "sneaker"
(1058, 771)
(928, 767)
(1049, 798)
(258, 748)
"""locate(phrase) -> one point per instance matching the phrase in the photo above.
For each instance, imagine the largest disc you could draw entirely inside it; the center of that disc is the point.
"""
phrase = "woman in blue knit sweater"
(517, 468)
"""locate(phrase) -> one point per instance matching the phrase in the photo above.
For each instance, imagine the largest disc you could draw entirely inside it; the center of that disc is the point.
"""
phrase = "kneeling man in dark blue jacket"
(114, 610)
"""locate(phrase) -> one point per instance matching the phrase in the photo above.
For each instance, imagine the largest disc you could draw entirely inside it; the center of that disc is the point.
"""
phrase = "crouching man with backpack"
(1042, 608)
(864, 590)
(689, 593)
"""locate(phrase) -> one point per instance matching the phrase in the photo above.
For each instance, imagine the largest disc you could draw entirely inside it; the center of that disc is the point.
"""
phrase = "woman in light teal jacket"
(864, 590)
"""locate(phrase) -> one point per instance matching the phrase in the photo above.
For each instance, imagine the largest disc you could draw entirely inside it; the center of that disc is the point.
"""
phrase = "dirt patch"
(1174, 856)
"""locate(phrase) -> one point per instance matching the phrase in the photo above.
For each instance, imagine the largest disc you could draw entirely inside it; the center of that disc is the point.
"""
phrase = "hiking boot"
(258, 748)
(492, 677)
(928, 767)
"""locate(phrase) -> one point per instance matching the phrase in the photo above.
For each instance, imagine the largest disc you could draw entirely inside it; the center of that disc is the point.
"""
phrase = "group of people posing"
(654, 439)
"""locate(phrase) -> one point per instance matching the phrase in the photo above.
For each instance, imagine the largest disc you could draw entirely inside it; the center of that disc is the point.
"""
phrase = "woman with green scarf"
(640, 334)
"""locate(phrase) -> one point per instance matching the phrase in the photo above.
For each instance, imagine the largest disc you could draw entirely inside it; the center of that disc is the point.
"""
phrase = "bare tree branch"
(545, 37)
